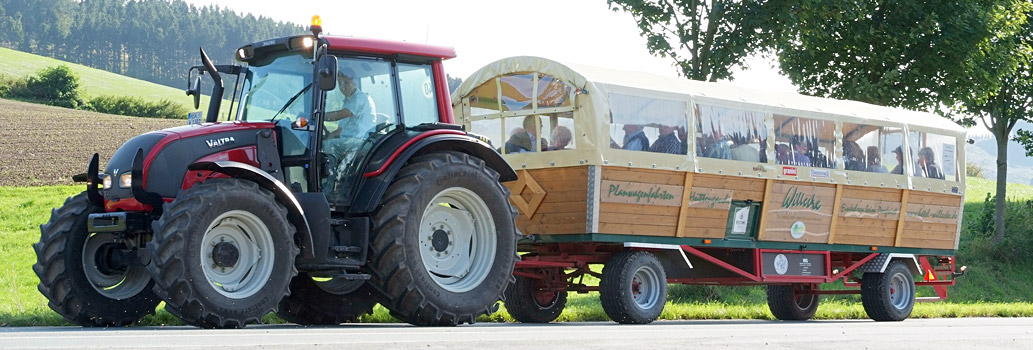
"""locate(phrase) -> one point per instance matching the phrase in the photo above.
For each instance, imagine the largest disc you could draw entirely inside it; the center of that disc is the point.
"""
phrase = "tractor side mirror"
(195, 90)
(326, 72)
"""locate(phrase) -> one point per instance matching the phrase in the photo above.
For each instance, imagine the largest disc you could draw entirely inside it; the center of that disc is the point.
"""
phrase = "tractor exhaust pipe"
(216, 101)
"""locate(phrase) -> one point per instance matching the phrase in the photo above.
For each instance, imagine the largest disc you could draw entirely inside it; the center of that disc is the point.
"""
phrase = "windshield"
(277, 86)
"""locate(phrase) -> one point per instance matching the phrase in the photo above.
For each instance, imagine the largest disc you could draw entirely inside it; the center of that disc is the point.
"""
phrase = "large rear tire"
(223, 254)
(791, 302)
(890, 295)
(529, 301)
(92, 280)
(329, 302)
(633, 288)
(444, 241)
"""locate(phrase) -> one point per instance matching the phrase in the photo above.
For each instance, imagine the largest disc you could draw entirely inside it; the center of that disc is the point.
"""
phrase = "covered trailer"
(666, 180)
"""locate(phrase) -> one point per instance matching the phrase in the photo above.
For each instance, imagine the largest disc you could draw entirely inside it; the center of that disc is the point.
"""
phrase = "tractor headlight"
(106, 180)
(126, 180)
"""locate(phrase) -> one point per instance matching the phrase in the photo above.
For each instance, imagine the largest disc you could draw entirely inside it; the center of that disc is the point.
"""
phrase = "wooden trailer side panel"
(867, 216)
(931, 220)
(640, 201)
(551, 201)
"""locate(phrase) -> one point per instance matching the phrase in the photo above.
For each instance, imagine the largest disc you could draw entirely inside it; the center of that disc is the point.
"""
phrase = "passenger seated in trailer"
(782, 153)
(719, 146)
(522, 142)
(742, 150)
(800, 150)
(875, 161)
(668, 142)
(853, 156)
(899, 169)
(927, 164)
(560, 138)
(634, 138)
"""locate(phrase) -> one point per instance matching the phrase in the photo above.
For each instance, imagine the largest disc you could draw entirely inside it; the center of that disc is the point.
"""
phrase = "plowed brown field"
(44, 145)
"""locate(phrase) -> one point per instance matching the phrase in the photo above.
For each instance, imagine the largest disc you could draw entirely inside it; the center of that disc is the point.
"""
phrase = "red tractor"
(339, 181)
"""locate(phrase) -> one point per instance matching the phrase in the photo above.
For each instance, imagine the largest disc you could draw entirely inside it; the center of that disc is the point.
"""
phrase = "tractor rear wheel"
(890, 295)
(529, 300)
(90, 279)
(792, 302)
(444, 241)
(326, 302)
(223, 254)
(633, 288)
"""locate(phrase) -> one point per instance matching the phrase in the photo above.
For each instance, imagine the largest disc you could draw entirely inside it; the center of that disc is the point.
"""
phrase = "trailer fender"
(880, 263)
(378, 178)
(295, 213)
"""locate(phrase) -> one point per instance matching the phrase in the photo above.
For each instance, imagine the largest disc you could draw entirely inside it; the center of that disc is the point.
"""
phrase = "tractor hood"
(167, 153)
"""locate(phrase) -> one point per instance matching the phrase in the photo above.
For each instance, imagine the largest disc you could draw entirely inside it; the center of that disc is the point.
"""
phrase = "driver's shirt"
(363, 117)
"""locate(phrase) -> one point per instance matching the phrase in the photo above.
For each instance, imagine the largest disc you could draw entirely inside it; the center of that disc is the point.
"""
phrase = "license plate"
(194, 118)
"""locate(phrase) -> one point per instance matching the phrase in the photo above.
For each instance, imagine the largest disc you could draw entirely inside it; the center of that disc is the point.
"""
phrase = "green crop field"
(96, 82)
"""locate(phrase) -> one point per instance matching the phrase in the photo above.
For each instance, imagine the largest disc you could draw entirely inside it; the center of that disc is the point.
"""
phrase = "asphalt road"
(959, 333)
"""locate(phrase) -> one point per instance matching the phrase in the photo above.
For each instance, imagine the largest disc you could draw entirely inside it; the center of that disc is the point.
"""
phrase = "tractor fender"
(380, 173)
(295, 213)
(880, 263)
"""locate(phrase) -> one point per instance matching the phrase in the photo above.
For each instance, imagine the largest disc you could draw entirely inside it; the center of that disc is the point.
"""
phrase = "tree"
(964, 59)
(706, 38)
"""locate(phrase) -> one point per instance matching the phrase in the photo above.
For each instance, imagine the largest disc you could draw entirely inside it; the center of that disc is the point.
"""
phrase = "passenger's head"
(900, 154)
(632, 128)
(873, 156)
(782, 153)
(346, 80)
(560, 137)
(852, 151)
(666, 130)
(926, 156)
(529, 125)
(799, 144)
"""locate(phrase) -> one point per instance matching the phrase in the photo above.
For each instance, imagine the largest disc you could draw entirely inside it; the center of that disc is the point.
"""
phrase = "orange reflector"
(706, 241)
(875, 248)
(929, 276)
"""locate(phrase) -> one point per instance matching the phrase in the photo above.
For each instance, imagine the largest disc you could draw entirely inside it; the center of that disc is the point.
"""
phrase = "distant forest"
(152, 40)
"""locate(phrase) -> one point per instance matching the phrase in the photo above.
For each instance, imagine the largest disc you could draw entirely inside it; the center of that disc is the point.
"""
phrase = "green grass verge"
(990, 289)
(97, 82)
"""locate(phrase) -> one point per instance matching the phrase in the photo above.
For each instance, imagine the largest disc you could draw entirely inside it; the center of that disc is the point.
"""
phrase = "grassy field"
(96, 82)
(990, 289)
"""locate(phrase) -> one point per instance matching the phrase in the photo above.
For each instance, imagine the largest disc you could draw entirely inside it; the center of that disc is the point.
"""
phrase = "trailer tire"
(787, 304)
(890, 295)
(633, 288)
(322, 303)
(444, 241)
(223, 254)
(527, 302)
(75, 273)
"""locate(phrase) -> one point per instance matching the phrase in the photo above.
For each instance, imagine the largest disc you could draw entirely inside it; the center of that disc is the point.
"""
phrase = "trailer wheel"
(329, 302)
(528, 300)
(223, 254)
(890, 295)
(633, 288)
(90, 279)
(444, 241)
(791, 302)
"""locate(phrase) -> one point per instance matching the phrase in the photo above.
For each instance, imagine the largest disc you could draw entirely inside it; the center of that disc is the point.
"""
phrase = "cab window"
(419, 98)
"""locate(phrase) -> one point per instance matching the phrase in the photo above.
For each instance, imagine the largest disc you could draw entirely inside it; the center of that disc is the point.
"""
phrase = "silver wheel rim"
(116, 285)
(457, 240)
(645, 288)
(900, 291)
(254, 243)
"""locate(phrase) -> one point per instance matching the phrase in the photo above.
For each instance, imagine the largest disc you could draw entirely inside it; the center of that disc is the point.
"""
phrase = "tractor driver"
(353, 110)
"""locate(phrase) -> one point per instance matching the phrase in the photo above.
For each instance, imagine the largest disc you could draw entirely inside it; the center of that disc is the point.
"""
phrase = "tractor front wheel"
(444, 241)
(91, 279)
(326, 301)
(223, 254)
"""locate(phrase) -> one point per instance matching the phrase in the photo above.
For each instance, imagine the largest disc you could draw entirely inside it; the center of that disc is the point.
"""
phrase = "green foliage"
(973, 170)
(57, 86)
(706, 39)
(137, 107)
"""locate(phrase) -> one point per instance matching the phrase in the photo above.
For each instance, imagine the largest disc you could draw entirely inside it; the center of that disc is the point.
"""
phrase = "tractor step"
(346, 249)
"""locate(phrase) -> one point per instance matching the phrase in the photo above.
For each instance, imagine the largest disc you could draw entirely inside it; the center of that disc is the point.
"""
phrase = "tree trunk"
(1002, 185)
